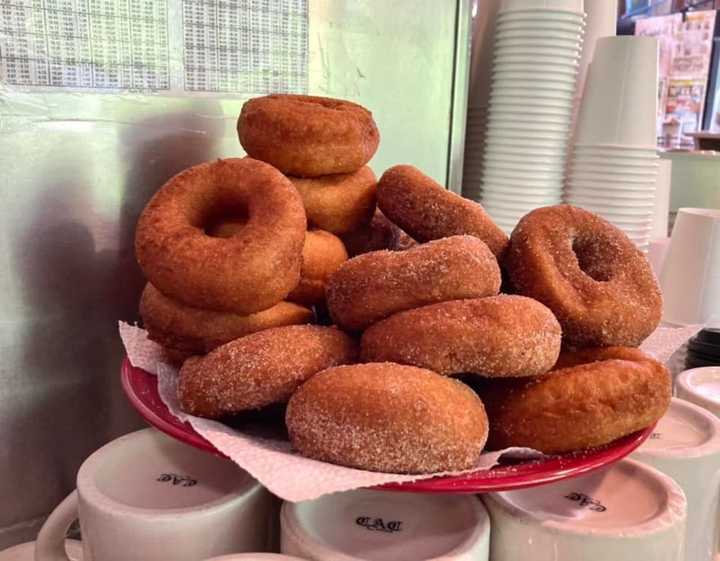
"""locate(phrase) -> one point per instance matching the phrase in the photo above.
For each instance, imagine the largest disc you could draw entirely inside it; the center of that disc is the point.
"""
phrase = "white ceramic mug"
(146, 497)
(386, 526)
(628, 512)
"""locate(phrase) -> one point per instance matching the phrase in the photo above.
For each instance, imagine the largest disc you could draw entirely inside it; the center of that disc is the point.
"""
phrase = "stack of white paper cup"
(536, 59)
(686, 446)
(385, 526)
(614, 166)
(474, 149)
(629, 511)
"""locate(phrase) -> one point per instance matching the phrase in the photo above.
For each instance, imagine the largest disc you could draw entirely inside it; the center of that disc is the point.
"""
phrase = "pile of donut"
(414, 361)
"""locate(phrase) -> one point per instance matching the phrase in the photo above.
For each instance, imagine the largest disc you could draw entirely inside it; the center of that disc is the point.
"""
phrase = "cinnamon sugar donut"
(593, 278)
(375, 285)
(499, 336)
(387, 417)
(260, 369)
(379, 234)
(323, 254)
(600, 396)
(427, 211)
(338, 203)
(181, 328)
(308, 136)
(248, 272)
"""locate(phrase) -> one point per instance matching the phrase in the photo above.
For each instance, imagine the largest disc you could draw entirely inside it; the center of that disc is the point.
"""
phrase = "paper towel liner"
(381, 526)
(686, 447)
(627, 511)
(254, 557)
(701, 386)
(291, 476)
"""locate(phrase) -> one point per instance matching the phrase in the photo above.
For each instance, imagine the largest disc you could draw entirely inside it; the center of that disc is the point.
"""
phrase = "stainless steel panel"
(77, 168)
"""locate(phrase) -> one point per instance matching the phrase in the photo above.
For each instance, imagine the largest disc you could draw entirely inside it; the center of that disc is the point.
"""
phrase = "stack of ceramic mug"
(614, 167)
(538, 44)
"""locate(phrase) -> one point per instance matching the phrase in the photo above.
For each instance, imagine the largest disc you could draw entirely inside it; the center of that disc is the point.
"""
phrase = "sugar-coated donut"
(260, 369)
(190, 330)
(387, 417)
(323, 254)
(338, 203)
(427, 211)
(379, 234)
(375, 285)
(245, 273)
(598, 284)
(499, 336)
(308, 136)
(600, 397)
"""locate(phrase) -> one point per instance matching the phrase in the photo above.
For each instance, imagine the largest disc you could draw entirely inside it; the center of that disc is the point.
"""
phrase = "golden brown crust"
(308, 136)
(499, 336)
(323, 254)
(427, 211)
(598, 284)
(338, 203)
(246, 273)
(387, 417)
(191, 330)
(260, 369)
(581, 406)
(373, 286)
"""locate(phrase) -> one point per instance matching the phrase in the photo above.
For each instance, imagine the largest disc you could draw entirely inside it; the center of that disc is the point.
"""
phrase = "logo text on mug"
(585, 501)
(175, 479)
(379, 525)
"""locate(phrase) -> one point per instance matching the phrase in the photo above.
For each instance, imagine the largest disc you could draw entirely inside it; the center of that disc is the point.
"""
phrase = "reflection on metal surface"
(79, 167)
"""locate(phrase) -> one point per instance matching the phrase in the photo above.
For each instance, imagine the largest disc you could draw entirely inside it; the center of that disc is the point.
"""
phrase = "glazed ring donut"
(308, 136)
(338, 203)
(427, 211)
(387, 417)
(375, 285)
(499, 336)
(597, 283)
(580, 406)
(260, 369)
(181, 328)
(246, 273)
(323, 254)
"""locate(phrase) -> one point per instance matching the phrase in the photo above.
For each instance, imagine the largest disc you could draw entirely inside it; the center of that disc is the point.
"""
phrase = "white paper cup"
(510, 209)
(637, 215)
(532, 118)
(503, 189)
(525, 163)
(541, 100)
(626, 512)
(568, 45)
(519, 198)
(690, 278)
(540, 70)
(255, 557)
(537, 178)
(601, 22)
(528, 57)
(649, 151)
(618, 196)
(559, 137)
(570, 38)
(686, 446)
(610, 168)
(501, 124)
(662, 200)
(620, 98)
(543, 14)
(146, 496)
(386, 526)
(571, 27)
(546, 79)
(600, 186)
(558, 53)
(649, 179)
(574, 6)
(701, 386)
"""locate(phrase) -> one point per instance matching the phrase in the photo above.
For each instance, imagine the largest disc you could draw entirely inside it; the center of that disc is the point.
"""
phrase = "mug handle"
(50, 545)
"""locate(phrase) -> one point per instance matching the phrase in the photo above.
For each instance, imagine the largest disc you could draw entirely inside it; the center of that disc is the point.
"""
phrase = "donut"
(387, 417)
(308, 136)
(427, 211)
(375, 285)
(323, 254)
(248, 272)
(338, 203)
(260, 369)
(498, 336)
(597, 283)
(379, 234)
(597, 398)
(190, 330)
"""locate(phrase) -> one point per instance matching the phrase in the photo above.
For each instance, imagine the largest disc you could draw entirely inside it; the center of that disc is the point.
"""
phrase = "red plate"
(141, 389)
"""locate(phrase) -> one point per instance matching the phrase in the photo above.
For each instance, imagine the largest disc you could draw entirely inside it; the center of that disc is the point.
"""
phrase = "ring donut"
(338, 203)
(308, 136)
(251, 271)
(593, 278)
(260, 369)
(389, 418)
(189, 330)
(427, 211)
(323, 254)
(379, 234)
(375, 285)
(498, 336)
(598, 397)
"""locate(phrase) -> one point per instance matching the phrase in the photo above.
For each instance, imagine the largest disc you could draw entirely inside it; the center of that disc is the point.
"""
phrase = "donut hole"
(225, 220)
(593, 256)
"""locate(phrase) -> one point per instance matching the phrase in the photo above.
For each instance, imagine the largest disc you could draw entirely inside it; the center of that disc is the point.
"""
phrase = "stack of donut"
(424, 361)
